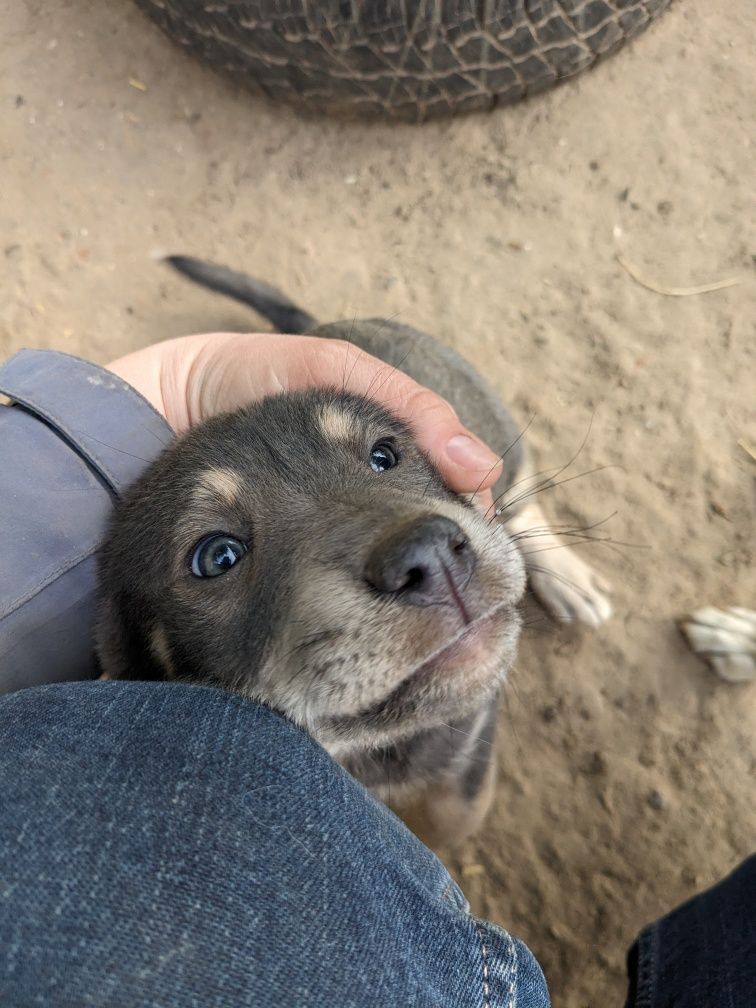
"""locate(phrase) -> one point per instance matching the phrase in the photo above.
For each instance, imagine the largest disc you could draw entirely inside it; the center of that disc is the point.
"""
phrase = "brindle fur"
(402, 695)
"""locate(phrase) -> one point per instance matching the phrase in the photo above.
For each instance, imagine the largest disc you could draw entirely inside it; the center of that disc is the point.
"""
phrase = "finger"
(203, 375)
(484, 502)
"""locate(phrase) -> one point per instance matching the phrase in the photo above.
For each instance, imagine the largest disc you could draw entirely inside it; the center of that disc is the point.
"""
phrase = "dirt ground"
(627, 771)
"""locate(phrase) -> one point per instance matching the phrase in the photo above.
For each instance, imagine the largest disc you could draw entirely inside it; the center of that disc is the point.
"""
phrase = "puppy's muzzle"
(428, 562)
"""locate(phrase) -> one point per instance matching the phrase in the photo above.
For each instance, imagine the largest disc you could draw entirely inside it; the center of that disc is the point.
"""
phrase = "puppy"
(305, 553)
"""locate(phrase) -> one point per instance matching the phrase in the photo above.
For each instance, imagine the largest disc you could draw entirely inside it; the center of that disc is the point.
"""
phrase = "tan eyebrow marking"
(217, 484)
(337, 424)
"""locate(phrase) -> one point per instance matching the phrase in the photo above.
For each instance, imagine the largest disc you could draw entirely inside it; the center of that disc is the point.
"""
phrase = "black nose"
(426, 563)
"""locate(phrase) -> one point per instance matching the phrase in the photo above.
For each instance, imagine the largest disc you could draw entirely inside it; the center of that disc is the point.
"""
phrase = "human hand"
(192, 378)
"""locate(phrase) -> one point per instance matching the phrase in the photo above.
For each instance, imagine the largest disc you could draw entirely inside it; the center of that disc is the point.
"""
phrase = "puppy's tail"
(266, 300)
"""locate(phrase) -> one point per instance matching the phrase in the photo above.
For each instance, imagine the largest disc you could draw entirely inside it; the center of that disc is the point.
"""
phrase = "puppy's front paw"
(726, 639)
(568, 588)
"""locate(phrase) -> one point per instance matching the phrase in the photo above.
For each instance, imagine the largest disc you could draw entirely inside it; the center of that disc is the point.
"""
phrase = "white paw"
(568, 588)
(726, 639)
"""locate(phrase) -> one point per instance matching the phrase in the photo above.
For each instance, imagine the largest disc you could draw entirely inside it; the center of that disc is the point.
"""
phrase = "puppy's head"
(306, 553)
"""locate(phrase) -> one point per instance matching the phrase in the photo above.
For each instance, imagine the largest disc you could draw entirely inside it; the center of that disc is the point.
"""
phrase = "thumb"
(465, 462)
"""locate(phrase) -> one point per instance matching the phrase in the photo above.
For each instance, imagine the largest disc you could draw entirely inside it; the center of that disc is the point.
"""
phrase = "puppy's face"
(304, 552)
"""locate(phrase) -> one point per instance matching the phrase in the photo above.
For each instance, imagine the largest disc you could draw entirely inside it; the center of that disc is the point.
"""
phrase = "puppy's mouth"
(468, 646)
(460, 673)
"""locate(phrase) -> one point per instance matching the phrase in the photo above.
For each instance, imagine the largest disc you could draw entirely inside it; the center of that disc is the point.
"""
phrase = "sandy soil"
(627, 771)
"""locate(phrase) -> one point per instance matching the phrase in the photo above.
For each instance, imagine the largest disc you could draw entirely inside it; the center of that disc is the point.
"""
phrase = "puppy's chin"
(450, 684)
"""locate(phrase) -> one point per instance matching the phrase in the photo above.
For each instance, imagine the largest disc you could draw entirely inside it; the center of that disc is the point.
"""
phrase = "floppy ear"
(123, 641)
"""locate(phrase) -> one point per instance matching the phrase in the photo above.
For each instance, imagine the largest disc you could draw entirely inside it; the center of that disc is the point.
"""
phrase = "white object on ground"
(726, 639)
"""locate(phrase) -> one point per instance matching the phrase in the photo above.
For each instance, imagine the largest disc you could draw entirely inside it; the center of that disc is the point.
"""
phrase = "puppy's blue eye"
(382, 457)
(216, 554)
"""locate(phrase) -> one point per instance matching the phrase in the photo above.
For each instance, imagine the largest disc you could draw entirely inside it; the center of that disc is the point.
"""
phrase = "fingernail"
(470, 453)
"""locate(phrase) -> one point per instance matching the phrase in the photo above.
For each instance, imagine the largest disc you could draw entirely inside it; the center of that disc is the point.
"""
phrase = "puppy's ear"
(125, 644)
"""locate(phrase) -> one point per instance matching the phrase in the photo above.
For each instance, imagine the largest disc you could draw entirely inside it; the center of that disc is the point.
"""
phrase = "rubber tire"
(405, 59)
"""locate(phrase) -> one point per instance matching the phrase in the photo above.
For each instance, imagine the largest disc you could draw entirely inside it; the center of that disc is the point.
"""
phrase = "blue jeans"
(703, 954)
(176, 846)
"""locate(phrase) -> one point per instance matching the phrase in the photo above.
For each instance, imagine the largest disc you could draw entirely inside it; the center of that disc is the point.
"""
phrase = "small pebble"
(655, 800)
(593, 763)
(472, 870)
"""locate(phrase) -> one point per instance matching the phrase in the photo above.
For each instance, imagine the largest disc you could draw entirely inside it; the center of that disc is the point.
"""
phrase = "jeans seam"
(484, 957)
(511, 995)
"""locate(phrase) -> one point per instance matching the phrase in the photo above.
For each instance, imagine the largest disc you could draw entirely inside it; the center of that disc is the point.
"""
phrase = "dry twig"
(674, 291)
